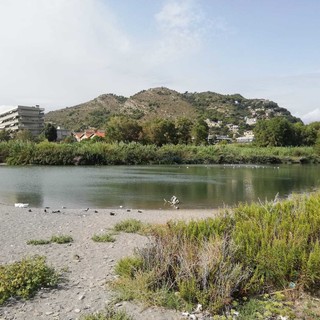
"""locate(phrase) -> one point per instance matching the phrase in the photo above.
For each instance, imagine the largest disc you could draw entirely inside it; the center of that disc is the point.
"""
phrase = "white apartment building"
(23, 118)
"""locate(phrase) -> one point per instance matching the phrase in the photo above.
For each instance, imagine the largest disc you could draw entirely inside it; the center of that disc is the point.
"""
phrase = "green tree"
(200, 132)
(4, 135)
(23, 135)
(276, 132)
(120, 128)
(183, 130)
(160, 132)
(50, 132)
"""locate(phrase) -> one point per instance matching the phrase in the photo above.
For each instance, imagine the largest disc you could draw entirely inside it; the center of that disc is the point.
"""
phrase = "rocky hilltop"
(166, 103)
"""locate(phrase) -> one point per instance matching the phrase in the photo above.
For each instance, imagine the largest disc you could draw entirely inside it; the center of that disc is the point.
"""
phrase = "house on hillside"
(88, 134)
(213, 139)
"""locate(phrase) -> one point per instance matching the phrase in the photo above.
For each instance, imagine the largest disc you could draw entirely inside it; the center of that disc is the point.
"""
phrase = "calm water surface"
(146, 186)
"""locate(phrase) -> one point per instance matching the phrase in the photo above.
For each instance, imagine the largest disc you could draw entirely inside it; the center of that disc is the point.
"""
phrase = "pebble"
(81, 297)
(49, 313)
(77, 310)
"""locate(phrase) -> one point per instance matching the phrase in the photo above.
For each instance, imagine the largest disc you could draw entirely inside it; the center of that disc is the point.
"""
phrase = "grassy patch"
(109, 314)
(38, 242)
(24, 278)
(61, 239)
(106, 237)
(256, 249)
(131, 226)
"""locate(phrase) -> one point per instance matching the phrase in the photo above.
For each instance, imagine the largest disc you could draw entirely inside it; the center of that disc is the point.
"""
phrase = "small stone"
(77, 310)
(49, 313)
(81, 297)
(119, 304)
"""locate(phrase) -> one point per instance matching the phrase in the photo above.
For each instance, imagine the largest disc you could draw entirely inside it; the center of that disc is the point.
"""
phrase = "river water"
(146, 187)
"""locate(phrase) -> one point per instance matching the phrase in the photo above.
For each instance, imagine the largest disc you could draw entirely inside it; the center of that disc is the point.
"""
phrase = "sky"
(59, 53)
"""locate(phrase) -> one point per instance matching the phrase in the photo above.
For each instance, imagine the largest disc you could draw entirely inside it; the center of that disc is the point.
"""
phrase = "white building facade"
(23, 118)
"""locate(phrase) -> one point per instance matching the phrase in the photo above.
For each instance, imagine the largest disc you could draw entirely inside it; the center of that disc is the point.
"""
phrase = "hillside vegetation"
(165, 103)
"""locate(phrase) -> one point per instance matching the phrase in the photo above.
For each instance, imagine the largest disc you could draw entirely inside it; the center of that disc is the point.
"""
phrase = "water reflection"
(147, 186)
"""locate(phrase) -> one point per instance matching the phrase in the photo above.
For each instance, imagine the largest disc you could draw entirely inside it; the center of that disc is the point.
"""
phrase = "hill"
(220, 110)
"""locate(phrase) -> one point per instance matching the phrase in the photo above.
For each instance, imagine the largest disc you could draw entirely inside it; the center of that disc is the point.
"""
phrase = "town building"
(63, 133)
(89, 134)
(23, 118)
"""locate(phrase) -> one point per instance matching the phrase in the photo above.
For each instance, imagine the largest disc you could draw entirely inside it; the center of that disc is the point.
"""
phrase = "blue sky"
(60, 53)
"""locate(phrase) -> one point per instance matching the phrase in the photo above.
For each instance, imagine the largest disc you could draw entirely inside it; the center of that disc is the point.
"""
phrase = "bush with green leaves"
(24, 278)
(129, 226)
(251, 250)
(106, 237)
(101, 153)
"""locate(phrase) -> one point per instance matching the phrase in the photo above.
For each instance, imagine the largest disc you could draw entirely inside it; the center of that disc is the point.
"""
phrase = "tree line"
(274, 132)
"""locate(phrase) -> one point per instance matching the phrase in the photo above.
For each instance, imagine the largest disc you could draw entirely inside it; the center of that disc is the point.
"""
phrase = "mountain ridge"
(162, 102)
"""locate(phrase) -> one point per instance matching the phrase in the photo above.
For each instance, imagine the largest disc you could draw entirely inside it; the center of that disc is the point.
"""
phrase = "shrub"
(255, 249)
(109, 314)
(128, 267)
(129, 226)
(61, 239)
(39, 242)
(24, 278)
(106, 237)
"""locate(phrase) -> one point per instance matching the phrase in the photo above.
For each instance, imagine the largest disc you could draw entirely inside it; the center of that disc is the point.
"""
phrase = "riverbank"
(86, 265)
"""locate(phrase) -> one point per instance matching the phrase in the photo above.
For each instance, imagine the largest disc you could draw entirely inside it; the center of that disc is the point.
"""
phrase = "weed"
(130, 226)
(129, 266)
(39, 242)
(106, 237)
(258, 248)
(24, 278)
(109, 314)
(61, 239)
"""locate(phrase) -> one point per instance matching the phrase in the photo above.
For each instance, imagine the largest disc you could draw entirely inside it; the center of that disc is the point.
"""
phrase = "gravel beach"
(88, 265)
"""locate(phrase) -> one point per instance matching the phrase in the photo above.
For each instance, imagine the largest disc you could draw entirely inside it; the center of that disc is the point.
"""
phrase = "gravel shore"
(89, 264)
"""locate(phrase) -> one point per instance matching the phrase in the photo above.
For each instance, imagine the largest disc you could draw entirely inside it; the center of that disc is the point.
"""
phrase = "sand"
(87, 265)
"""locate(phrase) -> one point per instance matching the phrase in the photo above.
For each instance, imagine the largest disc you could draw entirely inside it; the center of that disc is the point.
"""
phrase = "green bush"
(101, 153)
(38, 242)
(24, 278)
(129, 226)
(128, 267)
(254, 249)
(60, 239)
(106, 237)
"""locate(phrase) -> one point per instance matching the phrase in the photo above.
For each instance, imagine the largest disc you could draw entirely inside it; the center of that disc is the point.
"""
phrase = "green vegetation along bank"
(259, 253)
(101, 153)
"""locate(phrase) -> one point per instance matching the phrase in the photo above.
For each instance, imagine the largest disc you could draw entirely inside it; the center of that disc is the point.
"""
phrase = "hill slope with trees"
(169, 104)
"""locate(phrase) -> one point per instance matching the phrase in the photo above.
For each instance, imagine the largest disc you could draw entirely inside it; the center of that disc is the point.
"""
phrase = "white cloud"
(311, 116)
(180, 29)
(57, 51)
(61, 52)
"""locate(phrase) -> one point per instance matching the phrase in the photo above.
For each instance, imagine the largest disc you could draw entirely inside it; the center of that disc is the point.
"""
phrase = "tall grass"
(256, 249)
(100, 153)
